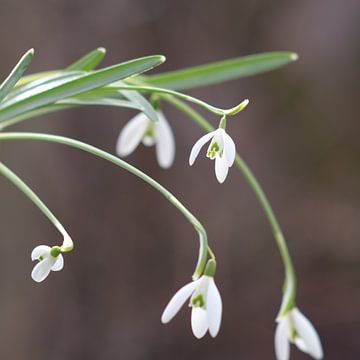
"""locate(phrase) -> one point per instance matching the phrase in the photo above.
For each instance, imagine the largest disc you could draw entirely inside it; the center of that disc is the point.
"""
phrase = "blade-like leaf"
(82, 84)
(71, 103)
(221, 71)
(102, 102)
(137, 98)
(37, 112)
(86, 63)
(38, 86)
(16, 73)
(90, 61)
(37, 76)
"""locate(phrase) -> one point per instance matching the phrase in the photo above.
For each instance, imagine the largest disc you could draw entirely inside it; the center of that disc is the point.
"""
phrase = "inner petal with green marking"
(149, 135)
(214, 148)
(198, 301)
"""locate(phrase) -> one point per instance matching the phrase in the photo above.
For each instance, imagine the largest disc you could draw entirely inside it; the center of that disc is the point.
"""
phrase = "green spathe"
(210, 268)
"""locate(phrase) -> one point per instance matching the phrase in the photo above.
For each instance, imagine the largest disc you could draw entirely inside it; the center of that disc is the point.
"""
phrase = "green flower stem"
(203, 252)
(20, 184)
(157, 90)
(290, 277)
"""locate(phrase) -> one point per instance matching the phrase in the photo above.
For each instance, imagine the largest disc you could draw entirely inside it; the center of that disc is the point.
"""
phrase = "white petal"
(148, 140)
(213, 308)
(282, 346)
(198, 145)
(178, 301)
(300, 344)
(59, 263)
(165, 142)
(41, 250)
(131, 134)
(308, 334)
(221, 168)
(41, 270)
(199, 322)
(229, 149)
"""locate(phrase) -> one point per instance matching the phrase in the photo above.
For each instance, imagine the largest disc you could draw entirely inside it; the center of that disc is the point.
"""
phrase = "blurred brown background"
(133, 250)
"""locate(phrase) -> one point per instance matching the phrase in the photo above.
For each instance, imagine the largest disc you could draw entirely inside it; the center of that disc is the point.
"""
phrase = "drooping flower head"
(141, 129)
(205, 303)
(295, 328)
(221, 149)
(50, 259)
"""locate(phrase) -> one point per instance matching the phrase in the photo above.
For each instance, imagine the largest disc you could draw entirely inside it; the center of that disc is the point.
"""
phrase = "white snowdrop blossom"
(295, 328)
(221, 148)
(205, 302)
(141, 129)
(50, 259)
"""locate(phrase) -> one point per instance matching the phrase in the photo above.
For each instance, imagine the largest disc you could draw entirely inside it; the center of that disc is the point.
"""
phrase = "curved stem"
(203, 252)
(157, 90)
(20, 184)
(290, 277)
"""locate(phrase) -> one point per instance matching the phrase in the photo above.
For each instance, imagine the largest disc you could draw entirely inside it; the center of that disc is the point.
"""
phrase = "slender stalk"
(290, 277)
(203, 252)
(20, 184)
(157, 90)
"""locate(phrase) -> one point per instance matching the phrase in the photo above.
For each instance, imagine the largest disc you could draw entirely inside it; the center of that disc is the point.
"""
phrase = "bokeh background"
(133, 250)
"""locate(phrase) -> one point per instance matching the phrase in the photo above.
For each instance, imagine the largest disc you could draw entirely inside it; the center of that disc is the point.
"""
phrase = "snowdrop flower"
(141, 129)
(50, 259)
(221, 148)
(205, 302)
(295, 328)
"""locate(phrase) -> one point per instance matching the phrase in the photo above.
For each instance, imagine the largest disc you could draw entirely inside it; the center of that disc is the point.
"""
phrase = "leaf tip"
(294, 56)
(101, 50)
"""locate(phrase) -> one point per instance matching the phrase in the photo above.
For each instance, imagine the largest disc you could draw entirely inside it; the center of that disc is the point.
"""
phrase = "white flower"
(205, 302)
(141, 129)
(221, 148)
(50, 259)
(295, 328)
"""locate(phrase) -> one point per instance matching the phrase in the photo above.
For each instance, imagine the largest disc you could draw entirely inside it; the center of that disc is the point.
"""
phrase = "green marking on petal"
(213, 150)
(41, 258)
(198, 301)
(149, 132)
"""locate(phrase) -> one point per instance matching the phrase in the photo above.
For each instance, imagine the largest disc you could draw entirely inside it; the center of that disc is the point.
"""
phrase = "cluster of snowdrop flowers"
(203, 295)
(140, 129)
(295, 328)
(205, 301)
(50, 258)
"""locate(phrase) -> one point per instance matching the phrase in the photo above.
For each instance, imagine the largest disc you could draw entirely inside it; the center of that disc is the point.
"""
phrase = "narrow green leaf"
(36, 112)
(40, 85)
(142, 102)
(32, 77)
(16, 73)
(221, 71)
(86, 63)
(90, 61)
(101, 102)
(70, 103)
(80, 85)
